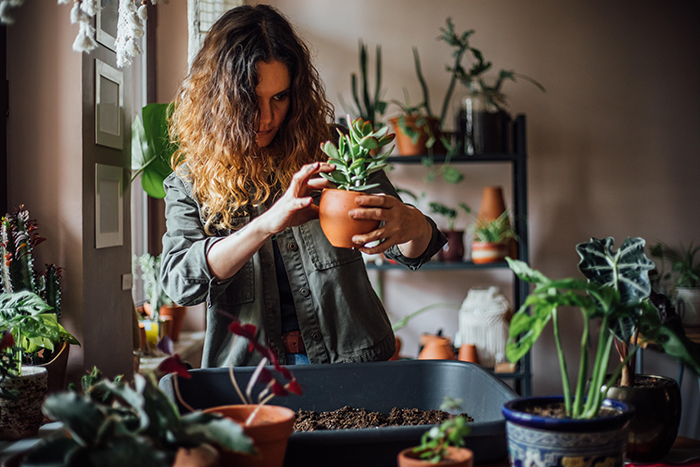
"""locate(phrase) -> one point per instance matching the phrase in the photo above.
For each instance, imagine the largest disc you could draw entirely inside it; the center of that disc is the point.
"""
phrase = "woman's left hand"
(403, 225)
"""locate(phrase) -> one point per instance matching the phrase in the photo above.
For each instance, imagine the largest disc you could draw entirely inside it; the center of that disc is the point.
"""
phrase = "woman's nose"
(265, 114)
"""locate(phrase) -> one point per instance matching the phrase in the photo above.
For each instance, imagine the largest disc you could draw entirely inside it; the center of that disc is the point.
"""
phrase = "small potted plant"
(442, 445)
(159, 306)
(454, 248)
(27, 323)
(493, 239)
(684, 276)
(114, 423)
(354, 163)
(583, 421)
(18, 238)
(269, 426)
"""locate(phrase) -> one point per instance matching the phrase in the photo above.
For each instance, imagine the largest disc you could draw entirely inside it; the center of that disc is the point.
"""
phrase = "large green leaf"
(127, 451)
(212, 428)
(51, 453)
(625, 270)
(79, 415)
(28, 303)
(129, 396)
(151, 149)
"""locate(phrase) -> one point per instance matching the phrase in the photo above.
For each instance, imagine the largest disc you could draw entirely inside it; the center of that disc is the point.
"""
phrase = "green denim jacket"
(341, 319)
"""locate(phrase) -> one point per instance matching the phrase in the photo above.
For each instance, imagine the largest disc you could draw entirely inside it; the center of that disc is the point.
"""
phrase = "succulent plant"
(18, 237)
(353, 158)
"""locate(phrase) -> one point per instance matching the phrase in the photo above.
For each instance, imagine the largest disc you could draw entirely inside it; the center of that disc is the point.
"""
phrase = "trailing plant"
(449, 213)
(682, 262)
(451, 432)
(403, 322)
(616, 295)
(136, 425)
(149, 266)
(18, 238)
(353, 158)
(151, 148)
(368, 106)
(496, 230)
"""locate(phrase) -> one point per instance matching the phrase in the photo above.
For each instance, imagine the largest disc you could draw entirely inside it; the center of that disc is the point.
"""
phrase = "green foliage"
(149, 266)
(495, 231)
(137, 426)
(352, 157)
(449, 213)
(682, 262)
(368, 107)
(451, 432)
(151, 148)
(617, 294)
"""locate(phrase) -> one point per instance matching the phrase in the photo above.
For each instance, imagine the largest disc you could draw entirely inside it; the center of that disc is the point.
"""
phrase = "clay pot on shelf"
(453, 251)
(456, 457)
(468, 353)
(439, 348)
(270, 431)
(492, 203)
(405, 144)
(486, 252)
(336, 223)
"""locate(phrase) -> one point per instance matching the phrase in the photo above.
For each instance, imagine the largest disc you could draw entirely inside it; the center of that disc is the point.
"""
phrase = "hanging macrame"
(483, 321)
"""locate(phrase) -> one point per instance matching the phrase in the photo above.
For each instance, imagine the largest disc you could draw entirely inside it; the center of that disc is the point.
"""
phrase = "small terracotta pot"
(492, 203)
(398, 349)
(468, 353)
(456, 457)
(439, 348)
(453, 251)
(407, 147)
(270, 431)
(336, 223)
(177, 313)
(485, 252)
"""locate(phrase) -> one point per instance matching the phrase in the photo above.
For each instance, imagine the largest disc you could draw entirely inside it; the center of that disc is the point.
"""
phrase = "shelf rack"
(518, 161)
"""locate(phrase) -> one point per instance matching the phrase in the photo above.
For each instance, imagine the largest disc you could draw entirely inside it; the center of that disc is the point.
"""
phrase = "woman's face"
(273, 99)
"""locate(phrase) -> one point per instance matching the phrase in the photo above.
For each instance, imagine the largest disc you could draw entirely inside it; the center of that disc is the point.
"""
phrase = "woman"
(242, 229)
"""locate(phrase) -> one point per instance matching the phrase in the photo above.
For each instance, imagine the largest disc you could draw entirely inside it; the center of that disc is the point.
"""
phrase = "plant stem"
(618, 370)
(562, 364)
(176, 385)
(596, 366)
(233, 379)
(451, 87)
(606, 339)
(582, 369)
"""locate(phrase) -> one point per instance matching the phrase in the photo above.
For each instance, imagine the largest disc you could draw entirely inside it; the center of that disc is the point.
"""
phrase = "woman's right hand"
(295, 206)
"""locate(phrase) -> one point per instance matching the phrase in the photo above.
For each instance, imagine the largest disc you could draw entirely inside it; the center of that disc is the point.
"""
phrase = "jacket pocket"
(242, 287)
(322, 253)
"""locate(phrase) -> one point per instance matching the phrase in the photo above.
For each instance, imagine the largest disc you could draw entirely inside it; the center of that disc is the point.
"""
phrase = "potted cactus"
(18, 238)
(354, 163)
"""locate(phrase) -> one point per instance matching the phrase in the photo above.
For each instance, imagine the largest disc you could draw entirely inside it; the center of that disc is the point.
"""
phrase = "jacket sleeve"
(184, 272)
(437, 240)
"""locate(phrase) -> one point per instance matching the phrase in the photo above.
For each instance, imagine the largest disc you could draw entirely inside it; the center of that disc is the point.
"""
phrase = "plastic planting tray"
(379, 386)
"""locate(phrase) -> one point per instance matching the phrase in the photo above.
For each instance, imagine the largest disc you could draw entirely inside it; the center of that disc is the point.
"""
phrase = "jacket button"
(316, 336)
(305, 292)
(292, 246)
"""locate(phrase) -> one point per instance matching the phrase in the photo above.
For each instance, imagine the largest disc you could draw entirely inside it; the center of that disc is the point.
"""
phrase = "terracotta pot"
(654, 427)
(492, 203)
(468, 353)
(22, 418)
(485, 252)
(56, 369)
(177, 313)
(453, 251)
(407, 147)
(270, 431)
(456, 457)
(439, 348)
(336, 223)
(398, 349)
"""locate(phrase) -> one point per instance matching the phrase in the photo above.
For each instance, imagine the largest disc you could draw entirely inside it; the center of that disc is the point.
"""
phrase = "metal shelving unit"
(518, 160)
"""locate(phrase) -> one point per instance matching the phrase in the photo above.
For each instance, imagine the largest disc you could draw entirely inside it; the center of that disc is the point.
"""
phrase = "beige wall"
(613, 145)
(51, 166)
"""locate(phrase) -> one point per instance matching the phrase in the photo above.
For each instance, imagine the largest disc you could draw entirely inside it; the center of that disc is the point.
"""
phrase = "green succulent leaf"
(369, 142)
(365, 188)
(330, 149)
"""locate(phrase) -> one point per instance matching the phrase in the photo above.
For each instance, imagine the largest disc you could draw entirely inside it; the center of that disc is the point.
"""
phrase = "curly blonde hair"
(216, 115)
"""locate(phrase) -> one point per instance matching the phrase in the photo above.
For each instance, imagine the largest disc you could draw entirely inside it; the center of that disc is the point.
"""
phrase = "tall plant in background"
(151, 148)
(369, 105)
(150, 274)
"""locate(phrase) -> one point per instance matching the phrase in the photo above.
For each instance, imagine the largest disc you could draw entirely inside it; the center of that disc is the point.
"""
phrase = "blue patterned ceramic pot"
(553, 442)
